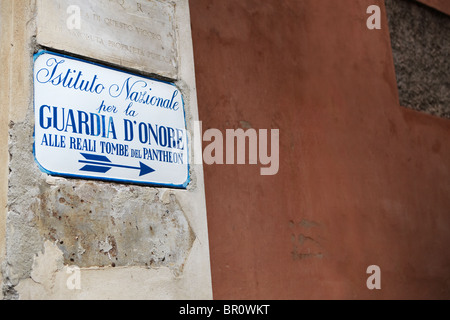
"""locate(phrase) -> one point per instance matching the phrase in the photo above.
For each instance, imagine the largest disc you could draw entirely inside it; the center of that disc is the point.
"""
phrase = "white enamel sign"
(100, 123)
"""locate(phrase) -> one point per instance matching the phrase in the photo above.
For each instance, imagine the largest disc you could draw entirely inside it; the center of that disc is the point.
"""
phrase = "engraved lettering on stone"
(136, 34)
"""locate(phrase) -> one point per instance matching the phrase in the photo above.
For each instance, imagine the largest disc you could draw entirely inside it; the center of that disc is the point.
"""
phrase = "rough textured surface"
(420, 39)
(103, 224)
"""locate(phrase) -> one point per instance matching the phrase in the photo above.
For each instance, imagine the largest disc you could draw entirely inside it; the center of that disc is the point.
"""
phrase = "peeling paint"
(306, 242)
(99, 225)
(46, 264)
(129, 234)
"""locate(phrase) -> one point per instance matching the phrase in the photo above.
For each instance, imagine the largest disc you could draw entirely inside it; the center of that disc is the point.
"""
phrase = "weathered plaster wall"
(130, 241)
(362, 181)
(5, 33)
(15, 91)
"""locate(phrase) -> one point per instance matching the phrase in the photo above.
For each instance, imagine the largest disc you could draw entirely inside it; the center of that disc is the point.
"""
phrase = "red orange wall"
(440, 5)
(362, 181)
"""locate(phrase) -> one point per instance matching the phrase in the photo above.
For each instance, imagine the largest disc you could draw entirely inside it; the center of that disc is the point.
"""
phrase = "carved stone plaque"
(134, 34)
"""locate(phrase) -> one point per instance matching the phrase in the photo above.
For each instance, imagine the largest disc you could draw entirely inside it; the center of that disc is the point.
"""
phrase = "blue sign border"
(124, 181)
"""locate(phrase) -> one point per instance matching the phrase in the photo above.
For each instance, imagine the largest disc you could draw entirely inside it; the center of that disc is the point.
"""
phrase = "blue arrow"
(95, 157)
(102, 164)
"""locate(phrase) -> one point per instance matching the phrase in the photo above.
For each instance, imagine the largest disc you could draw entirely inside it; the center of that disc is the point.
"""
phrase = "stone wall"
(125, 241)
